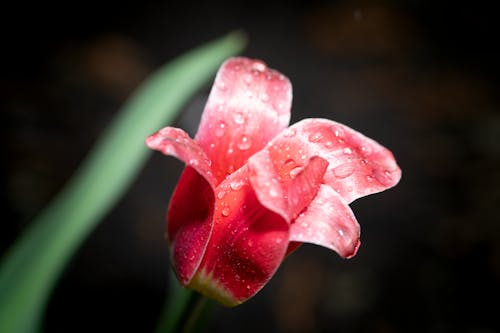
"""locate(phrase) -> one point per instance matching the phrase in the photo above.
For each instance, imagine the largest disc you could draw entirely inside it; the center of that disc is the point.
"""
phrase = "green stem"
(184, 310)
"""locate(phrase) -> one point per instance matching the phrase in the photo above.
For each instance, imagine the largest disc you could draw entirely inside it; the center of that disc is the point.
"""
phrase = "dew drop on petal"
(328, 144)
(366, 150)
(259, 66)
(264, 97)
(343, 170)
(221, 194)
(225, 211)
(347, 151)
(244, 143)
(341, 232)
(239, 118)
(236, 186)
(384, 177)
(193, 162)
(289, 132)
(230, 151)
(315, 137)
(248, 79)
(337, 131)
(220, 129)
(221, 85)
(273, 193)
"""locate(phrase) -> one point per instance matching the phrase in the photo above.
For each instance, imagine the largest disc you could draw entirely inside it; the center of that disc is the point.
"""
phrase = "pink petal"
(247, 245)
(191, 207)
(358, 166)
(175, 142)
(249, 104)
(328, 222)
(283, 182)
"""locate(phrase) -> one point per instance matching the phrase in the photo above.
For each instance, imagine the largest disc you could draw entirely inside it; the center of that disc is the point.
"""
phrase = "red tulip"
(253, 189)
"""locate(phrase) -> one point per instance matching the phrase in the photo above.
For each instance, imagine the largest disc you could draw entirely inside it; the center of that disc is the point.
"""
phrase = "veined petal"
(249, 104)
(191, 207)
(328, 222)
(247, 244)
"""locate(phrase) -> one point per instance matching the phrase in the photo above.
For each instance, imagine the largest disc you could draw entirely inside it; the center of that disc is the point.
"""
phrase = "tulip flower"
(254, 189)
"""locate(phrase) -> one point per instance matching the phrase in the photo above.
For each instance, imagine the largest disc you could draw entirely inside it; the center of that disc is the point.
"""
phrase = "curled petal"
(191, 207)
(281, 184)
(175, 142)
(246, 247)
(328, 222)
(357, 165)
(248, 105)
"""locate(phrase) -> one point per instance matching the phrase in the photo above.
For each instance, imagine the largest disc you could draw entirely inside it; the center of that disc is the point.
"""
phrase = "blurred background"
(421, 77)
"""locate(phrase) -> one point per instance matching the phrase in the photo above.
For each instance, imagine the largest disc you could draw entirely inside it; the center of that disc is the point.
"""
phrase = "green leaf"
(33, 264)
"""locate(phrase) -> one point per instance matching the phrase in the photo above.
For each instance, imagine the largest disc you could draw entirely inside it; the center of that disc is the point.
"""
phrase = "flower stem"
(184, 310)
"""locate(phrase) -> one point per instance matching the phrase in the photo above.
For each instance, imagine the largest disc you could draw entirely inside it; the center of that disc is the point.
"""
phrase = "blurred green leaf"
(32, 266)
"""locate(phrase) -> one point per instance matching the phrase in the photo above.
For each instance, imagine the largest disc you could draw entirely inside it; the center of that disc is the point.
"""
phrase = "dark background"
(422, 78)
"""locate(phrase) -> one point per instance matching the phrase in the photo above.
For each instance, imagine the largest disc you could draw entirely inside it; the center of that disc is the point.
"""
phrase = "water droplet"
(337, 131)
(280, 106)
(193, 162)
(315, 137)
(230, 151)
(259, 66)
(220, 129)
(328, 144)
(384, 177)
(370, 178)
(343, 170)
(239, 118)
(248, 79)
(279, 240)
(236, 185)
(264, 97)
(273, 193)
(221, 194)
(244, 143)
(221, 107)
(347, 151)
(225, 211)
(366, 150)
(212, 145)
(221, 85)
(341, 232)
(289, 132)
